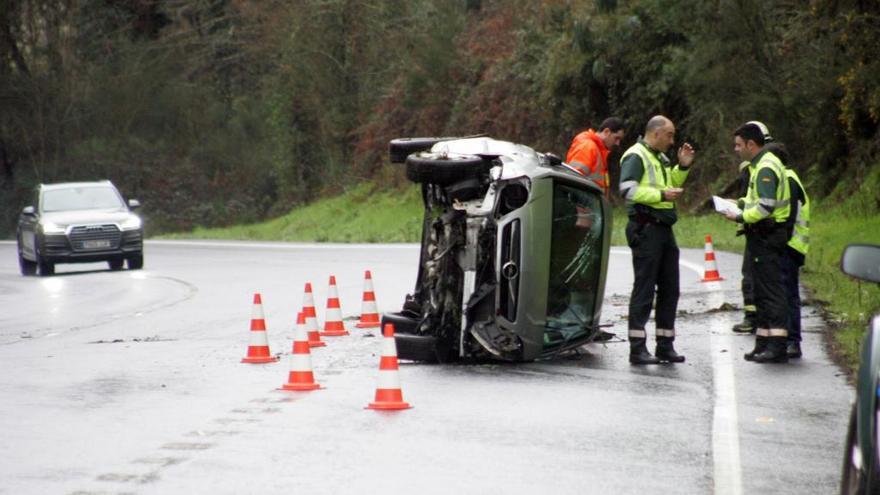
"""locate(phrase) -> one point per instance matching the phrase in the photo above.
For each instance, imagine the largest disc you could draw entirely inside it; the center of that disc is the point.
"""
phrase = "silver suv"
(77, 222)
(514, 253)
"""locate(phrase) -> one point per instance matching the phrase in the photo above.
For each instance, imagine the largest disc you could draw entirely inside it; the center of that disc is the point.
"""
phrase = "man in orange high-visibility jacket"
(589, 150)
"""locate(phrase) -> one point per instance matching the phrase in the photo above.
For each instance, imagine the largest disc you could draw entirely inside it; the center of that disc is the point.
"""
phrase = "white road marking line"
(279, 245)
(725, 423)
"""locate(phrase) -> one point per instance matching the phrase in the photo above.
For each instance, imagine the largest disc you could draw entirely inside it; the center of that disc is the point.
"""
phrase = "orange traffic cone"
(389, 396)
(314, 336)
(711, 272)
(369, 310)
(309, 310)
(333, 326)
(258, 350)
(301, 377)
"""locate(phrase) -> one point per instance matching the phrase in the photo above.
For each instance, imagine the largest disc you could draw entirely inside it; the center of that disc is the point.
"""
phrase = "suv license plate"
(97, 244)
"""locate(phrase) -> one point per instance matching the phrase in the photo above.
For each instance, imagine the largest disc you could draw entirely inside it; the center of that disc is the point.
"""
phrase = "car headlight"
(131, 223)
(52, 228)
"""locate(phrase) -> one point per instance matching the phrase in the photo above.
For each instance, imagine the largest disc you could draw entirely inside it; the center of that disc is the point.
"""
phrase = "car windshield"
(81, 198)
(575, 261)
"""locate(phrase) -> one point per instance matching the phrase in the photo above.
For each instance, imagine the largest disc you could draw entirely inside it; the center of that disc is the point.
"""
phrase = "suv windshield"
(575, 261)
(81, 198)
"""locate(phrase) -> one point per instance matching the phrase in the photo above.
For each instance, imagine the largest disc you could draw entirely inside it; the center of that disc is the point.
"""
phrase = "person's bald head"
(660, 133)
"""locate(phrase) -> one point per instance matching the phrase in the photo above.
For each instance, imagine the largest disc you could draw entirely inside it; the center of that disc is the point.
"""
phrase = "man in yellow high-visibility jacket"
(765, 210)
(651, 184)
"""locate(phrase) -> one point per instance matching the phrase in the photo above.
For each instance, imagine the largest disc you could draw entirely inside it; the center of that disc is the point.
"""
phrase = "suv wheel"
(444, 169)
(116, 264)
(27, 267)
(44, 267)
(136, 262)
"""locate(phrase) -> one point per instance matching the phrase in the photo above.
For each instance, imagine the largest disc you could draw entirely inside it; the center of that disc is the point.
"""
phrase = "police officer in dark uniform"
(765, 211)
(651, 184)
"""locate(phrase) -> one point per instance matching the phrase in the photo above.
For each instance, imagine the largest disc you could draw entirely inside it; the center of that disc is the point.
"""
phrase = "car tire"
(116, 264)
(399, 149)
(444, 169)
(136, 262)
(44, 268)
(852, 480)
(27, 267)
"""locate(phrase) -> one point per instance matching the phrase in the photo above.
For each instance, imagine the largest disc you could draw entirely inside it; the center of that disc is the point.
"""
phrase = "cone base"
(711, 278)
(259, 360)
(368, 325)
(388, 406)
(333, 333)
(300, 387)
(317, 344)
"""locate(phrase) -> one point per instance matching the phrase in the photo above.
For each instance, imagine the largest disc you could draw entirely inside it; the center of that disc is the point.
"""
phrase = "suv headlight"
(52, 228)
(131, 223)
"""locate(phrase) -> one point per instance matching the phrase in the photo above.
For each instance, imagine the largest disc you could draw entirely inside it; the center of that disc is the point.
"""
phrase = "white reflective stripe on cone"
(389, 348)
(258, 338)
(333, 314)
(661, 332)
(300, 362)
(257, 312)
(311, 324)
(778, 332)
(763, 332)
(388, 379)
(637, 334)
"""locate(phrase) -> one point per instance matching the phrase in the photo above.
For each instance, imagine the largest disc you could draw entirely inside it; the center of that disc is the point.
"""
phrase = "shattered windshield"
(575, 261)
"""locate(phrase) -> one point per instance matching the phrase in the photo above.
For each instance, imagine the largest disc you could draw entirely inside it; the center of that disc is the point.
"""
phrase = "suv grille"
(94, 237)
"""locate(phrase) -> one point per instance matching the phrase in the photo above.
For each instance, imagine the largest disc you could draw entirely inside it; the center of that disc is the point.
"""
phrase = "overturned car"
(514, 253)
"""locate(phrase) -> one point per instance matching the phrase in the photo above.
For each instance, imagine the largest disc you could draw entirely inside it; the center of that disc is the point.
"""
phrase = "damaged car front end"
(514, 253)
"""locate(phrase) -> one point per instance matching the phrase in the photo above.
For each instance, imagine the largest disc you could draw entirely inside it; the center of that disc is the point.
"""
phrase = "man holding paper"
(651, 184)
(765, 210)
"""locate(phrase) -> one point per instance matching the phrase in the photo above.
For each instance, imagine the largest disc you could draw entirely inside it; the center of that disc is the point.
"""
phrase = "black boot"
(793, 349)
(638, 352)
(760, 345)
(774, 353)
(666, 352)
(748, 325)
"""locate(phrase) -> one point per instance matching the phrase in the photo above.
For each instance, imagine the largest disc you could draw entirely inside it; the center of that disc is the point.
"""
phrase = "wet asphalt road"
(130, 382)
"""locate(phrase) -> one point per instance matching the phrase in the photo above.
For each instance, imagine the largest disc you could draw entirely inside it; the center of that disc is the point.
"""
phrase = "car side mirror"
(134, 204)
(28, 211)
(861, 261)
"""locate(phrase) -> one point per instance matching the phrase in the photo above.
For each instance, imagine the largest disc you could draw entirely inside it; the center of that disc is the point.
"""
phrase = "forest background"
(219, 112)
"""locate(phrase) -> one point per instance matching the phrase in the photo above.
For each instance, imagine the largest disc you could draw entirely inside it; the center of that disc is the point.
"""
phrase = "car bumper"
(60, 249)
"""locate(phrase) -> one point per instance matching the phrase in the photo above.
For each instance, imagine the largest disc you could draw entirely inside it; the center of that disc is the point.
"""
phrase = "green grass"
(359, 215)
(364, 215)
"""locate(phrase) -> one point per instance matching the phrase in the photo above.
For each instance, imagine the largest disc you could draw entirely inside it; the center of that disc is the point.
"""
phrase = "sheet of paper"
(723, 206)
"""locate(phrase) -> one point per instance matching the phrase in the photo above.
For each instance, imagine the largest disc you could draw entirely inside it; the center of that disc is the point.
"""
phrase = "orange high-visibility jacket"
(588, 155)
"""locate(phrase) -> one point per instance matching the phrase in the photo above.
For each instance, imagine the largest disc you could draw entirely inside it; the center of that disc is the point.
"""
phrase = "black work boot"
(748, 325)
(773, 353)
(793, 349)
(638, 352)
(666, 352)
(760, 345)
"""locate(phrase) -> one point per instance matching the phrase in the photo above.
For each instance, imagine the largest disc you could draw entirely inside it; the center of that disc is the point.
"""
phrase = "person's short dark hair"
(613, 124)
(750, 131)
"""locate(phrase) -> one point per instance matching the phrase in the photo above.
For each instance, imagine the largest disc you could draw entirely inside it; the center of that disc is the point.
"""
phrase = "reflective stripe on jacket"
(658, 177)
(800, 235)
(758, 207)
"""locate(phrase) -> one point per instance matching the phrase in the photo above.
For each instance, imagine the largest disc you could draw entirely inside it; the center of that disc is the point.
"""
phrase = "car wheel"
(116, 264)
(399, 149)
(136, 262)
(27, 267)
(44, 267)
(444, 169)
(852, 480)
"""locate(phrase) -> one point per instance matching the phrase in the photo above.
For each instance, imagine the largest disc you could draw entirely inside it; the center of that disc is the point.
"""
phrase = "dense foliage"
(214, 112)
